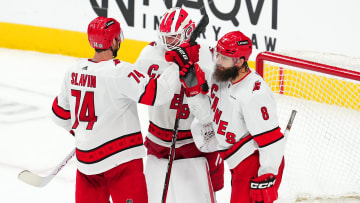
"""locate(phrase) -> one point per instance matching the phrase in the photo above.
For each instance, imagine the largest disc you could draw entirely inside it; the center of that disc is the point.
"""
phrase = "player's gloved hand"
(192, 50)
(262, 189)
(193, 80)
(183, 54)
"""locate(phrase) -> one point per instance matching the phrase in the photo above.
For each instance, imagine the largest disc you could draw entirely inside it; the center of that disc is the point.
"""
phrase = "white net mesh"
(323, 148)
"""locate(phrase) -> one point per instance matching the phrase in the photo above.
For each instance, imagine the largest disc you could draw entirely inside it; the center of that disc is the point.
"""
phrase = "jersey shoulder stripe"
(149, 95)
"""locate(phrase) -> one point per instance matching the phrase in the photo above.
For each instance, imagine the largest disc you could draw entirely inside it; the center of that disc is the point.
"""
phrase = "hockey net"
(322, 155)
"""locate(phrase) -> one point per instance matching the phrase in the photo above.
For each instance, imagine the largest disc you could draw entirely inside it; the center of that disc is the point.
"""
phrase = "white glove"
(204, 136)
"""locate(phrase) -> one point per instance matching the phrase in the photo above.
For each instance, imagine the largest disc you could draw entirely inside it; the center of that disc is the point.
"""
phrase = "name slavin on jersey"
(84, 80)
(222, 125)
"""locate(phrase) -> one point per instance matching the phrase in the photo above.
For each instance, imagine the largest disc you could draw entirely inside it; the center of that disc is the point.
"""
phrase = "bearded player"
(240, 121)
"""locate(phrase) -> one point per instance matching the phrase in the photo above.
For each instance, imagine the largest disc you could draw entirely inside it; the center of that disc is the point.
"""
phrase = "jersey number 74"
(87, 109)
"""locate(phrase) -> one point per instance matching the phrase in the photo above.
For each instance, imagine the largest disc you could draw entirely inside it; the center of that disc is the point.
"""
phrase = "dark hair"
(245, 65)
(100, 50)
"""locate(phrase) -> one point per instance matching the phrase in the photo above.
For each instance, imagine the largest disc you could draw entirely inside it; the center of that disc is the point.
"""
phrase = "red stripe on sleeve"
(233, 149)
(149, 95)
(59, 111)
(268, 137)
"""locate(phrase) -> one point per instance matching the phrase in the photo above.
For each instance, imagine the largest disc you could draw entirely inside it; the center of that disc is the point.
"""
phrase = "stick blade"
(32, 179)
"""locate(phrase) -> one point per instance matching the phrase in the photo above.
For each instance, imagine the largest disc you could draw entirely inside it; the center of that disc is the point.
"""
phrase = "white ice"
(29, 81)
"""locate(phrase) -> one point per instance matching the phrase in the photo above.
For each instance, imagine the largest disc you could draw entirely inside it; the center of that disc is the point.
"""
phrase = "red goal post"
(322, 152)
(309, 65)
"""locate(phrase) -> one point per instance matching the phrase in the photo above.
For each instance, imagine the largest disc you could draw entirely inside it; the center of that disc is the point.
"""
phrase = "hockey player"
(174, 31)
(239, 119)
(98, 104)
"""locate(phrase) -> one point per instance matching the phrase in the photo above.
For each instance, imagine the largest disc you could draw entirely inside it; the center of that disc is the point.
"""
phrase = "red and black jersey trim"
(267, 138)
(110, 148)
(167, 134)
(236, 147)
(117, 61)
(149, 95)
(59, 111)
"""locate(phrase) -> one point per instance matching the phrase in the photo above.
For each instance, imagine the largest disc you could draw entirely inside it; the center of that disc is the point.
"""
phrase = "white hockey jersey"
(245, 119)
(98, 102)
(162, 118)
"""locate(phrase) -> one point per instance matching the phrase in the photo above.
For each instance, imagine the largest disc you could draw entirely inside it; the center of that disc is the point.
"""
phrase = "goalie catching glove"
(262, 189)
(193, 80)
(204, 136)
(183, 54)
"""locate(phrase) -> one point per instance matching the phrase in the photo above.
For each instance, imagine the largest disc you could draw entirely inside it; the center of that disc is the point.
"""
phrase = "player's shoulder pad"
(151, 51)
(248, 87)
(123, 69)
(206, 62)
(78, 64)
(151, 47)
(255, 83)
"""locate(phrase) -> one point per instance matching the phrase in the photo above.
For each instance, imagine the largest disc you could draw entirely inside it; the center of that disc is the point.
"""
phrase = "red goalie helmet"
(175, 27)
(235, 44)
(101, 31)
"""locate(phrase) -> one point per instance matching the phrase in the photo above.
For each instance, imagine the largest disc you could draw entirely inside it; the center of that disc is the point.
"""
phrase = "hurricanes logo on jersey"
(257, 85)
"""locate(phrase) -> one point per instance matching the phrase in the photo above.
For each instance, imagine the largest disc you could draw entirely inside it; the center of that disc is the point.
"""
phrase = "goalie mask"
(175, 28)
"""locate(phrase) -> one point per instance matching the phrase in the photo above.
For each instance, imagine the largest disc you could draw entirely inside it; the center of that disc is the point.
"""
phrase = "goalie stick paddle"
(39, 181)
(194, 35)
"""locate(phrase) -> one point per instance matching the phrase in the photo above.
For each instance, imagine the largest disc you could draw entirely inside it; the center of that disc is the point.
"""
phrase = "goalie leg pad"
(189, 181)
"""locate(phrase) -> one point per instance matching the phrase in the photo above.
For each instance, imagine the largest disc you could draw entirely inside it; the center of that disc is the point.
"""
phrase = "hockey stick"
(39, 181)
(291, 120)
(195, 34)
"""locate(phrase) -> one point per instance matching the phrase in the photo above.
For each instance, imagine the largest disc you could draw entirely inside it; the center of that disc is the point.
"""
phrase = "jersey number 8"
(265, 113)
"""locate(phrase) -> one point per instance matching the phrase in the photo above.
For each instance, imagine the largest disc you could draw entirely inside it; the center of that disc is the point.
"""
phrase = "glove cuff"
(192, 91)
